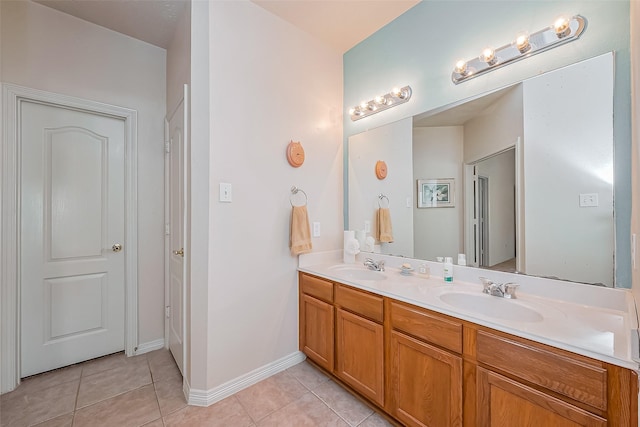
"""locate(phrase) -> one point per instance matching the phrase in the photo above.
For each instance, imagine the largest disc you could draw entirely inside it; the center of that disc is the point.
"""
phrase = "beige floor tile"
(134, 408)
(112, 361)
(170, 395)
(63, 421)
(308, 375)
(48, 379)
(226, 413)
(162, 365)
(375, 420)
(156, 423)
(343, 403)
(271, 394)
(308, 411)
(107, 384)
(38, 406)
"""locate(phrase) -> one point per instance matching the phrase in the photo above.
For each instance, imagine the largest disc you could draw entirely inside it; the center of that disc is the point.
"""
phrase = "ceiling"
(339, 23)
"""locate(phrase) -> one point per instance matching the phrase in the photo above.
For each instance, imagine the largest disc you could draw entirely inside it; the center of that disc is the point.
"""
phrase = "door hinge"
(167, 147)
(167, 229)
(167, 311)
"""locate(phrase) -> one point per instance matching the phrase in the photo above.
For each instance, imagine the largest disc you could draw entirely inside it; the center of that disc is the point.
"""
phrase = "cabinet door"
(426, 383)
(316, 331)
(360, 354)
(503, 402)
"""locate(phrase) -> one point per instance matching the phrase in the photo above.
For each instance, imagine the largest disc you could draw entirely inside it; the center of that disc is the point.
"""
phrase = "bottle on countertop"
(447, 271)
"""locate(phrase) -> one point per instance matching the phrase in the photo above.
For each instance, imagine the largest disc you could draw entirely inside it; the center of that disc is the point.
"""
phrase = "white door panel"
(72, 212)
(176, 238)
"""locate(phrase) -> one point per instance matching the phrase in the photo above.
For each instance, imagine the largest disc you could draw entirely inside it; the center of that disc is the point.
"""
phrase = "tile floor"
(146, 390)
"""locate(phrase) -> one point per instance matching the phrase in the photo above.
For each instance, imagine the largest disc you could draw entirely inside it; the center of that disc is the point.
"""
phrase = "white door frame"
(12, 97)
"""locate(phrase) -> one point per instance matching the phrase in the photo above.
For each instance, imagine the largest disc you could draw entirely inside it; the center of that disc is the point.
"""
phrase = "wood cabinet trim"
(565, 375)
(360, 302)
(375, 389)
(455, 379)
(315, 286)
(318, 345)
(427, 326)
(487, 380)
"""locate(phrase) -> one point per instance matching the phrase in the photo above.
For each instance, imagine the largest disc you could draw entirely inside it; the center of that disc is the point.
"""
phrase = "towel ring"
(380, 197)
(295, 190)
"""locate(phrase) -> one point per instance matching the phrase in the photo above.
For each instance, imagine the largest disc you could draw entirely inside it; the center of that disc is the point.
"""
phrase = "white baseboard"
(146, 347)
(207, 397)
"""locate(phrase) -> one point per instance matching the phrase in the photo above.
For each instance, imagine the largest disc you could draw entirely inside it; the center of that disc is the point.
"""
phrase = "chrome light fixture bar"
(397, 96)
(562, 31)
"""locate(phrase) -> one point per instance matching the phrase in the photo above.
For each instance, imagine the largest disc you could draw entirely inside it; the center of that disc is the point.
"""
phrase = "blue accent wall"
(421, 47)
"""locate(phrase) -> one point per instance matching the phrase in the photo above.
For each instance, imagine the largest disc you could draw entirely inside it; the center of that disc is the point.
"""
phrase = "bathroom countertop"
(597, 322)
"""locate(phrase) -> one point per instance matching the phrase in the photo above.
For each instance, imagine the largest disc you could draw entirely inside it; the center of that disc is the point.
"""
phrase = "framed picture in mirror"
(436, 193)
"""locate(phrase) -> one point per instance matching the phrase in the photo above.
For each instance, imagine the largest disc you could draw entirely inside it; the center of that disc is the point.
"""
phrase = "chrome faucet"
(372, 265)
(502, 290)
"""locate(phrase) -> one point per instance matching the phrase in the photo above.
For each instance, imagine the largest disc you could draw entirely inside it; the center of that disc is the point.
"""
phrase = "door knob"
(179, 252)
(116, 248)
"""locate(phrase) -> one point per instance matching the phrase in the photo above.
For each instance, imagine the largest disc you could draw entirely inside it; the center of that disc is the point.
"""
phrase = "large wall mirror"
(518, 180)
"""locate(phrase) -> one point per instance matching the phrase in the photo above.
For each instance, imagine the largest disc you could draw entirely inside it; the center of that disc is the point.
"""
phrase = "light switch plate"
(367, 226)
(316, 229)
(225, 192)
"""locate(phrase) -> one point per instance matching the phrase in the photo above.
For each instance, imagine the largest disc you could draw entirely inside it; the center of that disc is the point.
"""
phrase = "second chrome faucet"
(373, 265)
(503, 290)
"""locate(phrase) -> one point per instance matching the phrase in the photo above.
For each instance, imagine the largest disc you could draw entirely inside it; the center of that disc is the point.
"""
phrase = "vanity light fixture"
(562, 31)
(397, 96)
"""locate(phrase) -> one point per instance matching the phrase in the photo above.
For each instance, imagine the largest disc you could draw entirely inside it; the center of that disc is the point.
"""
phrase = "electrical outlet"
(316, 229)
(588, 200)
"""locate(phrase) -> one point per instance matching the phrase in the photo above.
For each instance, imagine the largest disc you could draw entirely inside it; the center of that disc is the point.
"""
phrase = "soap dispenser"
(447, 269)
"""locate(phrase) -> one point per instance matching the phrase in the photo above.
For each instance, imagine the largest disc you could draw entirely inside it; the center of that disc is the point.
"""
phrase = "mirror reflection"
(518, 180)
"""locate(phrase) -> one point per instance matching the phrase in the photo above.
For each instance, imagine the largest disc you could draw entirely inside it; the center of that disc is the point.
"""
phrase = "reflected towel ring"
(380, 197)
(295, 190)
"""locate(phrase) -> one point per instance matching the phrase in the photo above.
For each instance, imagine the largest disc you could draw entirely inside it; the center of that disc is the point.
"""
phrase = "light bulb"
(461, 67)
(363, 105)
(399, 93)
(561, 27)
(352, 111)
(380, 100)
(488, 55)
(522, 43)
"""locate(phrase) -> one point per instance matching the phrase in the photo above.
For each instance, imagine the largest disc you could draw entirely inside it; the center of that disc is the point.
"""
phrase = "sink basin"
(490, 306)
(350, 272)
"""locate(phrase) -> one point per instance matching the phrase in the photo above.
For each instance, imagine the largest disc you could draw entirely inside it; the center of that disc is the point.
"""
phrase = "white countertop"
(593, 321)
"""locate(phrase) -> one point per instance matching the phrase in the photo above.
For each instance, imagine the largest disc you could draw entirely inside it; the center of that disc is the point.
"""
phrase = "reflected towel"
(300, 233)
(384, 231)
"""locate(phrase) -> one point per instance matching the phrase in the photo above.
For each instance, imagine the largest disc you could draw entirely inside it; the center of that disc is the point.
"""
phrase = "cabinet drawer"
(316, 287)
(427, 326)
(359, 302)
(576, 377)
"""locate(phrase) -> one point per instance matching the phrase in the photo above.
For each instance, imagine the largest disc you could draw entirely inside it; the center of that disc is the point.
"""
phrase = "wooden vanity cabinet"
(425, 368)
(519, 382)
(360, 342)
(316, 311)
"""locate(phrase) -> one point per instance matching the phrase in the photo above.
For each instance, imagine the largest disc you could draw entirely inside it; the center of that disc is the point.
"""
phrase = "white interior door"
(72, 210)
(176, 233)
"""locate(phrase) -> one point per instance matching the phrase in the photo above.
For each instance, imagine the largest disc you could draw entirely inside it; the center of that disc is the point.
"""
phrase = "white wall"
(392, 144)
(437, 153)
(555, 173)
(497, 128)
(179, 60)
(260, 84)
(49, 50)
(501, 173)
